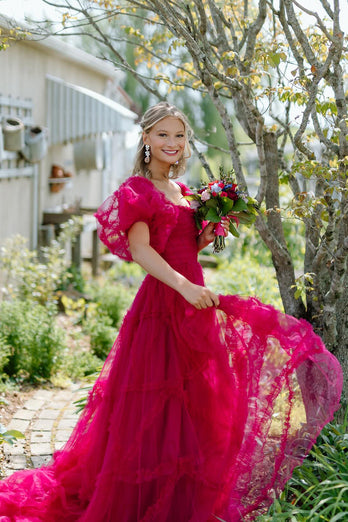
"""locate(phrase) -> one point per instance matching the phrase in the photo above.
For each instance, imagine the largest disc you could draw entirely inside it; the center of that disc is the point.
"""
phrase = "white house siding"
(23, 70)
(16, 198)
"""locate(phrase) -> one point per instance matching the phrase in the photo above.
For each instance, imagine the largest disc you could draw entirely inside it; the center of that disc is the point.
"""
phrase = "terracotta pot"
(56, 187)
(57, 171)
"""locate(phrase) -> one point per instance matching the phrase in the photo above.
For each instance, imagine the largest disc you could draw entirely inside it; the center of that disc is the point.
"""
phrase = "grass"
(318, 490)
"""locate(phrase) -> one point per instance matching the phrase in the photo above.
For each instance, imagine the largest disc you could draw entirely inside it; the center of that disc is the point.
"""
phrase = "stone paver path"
(47, 420)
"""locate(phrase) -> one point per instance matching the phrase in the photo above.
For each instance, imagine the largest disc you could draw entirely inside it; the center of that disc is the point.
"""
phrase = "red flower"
(232, 194)
(223, 194)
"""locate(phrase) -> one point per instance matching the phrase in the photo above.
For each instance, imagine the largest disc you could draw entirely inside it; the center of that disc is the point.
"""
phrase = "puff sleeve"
(127, 205)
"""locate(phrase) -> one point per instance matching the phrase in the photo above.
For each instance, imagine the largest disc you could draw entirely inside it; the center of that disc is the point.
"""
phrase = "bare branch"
(319, 75)
(315, 14)
(122, 61)
(254, 30)
(300, 35)
(327, 8)
(203, 160)
(202, 17)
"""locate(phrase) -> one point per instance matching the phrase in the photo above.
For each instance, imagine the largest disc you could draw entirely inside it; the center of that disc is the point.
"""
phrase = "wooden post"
(95, 253)
(76, 252)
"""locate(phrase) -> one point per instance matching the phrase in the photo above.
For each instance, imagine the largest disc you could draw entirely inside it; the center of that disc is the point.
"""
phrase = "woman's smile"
(170, 152)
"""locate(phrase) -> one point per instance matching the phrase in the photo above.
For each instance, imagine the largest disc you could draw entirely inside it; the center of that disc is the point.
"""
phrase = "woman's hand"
(199, 296)
(207, 236)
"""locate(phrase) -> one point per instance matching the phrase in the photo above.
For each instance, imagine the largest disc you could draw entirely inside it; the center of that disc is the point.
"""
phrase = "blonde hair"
(152, 116)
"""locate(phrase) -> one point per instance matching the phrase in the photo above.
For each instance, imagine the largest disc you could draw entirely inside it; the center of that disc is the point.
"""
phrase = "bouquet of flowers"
(221, 199)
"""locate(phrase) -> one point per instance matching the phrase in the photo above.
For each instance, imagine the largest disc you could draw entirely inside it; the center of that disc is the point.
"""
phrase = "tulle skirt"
(195, 415)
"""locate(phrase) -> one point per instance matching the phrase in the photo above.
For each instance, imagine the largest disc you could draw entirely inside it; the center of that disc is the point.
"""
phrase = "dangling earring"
(147, 158)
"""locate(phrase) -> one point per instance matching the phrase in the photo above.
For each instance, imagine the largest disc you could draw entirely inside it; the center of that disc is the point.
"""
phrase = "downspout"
(35, 207)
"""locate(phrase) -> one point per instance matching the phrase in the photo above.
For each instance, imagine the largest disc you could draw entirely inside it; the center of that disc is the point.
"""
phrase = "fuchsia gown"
(196, 414)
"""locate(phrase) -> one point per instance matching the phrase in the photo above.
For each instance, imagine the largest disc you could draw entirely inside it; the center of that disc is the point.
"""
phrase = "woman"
(205, 403)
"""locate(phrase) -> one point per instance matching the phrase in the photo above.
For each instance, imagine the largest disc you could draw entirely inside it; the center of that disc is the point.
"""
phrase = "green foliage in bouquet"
(222, 198)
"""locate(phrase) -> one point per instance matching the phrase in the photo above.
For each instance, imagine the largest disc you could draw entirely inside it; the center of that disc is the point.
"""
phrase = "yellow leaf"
(196, 84)
(218, 85)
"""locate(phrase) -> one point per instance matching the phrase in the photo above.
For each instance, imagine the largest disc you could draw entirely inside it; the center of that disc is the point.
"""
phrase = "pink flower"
(205, 195)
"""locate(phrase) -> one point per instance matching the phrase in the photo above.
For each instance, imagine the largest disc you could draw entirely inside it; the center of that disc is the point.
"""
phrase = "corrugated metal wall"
(75, 113)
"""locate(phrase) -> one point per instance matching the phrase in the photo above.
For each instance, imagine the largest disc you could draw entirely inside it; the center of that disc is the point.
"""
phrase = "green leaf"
(213, 216)
(245, 219)
(233, 230)
(227, 205)
(211, 203)
(192, 197)
(240, 205)
(274, 59)
(15, 433)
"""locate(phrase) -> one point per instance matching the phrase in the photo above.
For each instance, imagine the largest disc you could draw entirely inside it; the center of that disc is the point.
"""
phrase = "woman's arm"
(143, 254)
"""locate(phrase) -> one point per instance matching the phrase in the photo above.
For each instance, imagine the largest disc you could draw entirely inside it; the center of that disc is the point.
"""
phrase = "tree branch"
(254, 30)
(300, 35)
(315, 14)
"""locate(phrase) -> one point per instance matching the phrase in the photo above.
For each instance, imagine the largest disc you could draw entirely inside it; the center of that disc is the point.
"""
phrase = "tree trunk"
(280, 255)
(341, 348)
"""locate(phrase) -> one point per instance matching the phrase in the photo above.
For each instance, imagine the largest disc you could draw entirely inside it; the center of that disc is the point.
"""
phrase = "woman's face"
(167, 140)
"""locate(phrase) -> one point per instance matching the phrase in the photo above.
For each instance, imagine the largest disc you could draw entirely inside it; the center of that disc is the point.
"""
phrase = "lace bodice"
(137, 199)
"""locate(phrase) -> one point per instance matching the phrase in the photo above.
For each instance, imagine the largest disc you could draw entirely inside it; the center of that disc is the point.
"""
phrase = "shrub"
(5, 352)
(129, 274)
(72, 278)
(102, 334)
(245, 276)
(112, 299)
(80, 365)
(35, 276)
(34, 340)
